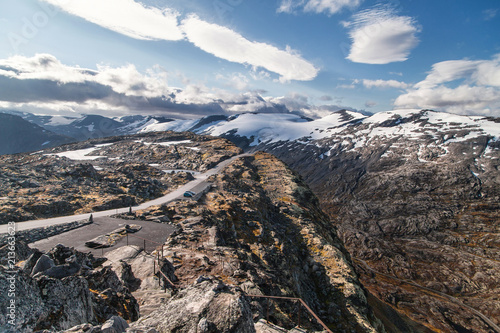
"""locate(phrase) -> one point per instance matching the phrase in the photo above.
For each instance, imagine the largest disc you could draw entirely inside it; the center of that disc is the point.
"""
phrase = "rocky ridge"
(260, 231)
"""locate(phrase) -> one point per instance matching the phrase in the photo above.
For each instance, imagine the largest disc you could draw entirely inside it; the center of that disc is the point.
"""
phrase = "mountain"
(84, 127)
(415, 195)
(18, 135)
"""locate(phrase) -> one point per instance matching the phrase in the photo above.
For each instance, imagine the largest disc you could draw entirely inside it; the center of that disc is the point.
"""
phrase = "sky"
(200, 57)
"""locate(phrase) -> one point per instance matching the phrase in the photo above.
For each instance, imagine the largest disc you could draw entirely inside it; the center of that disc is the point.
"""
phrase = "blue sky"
(199, 57)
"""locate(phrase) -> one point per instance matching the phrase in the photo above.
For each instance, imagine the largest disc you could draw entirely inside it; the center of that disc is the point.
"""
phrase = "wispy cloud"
(227, 44)
(126, 17)
(380, 36)
(137, 21)
(385, 84)
(459, 86)
(317, 6)
(490, 14)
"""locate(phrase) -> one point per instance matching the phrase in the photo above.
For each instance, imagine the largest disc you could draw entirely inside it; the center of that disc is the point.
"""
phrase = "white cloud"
(379, 36)
(123, 80)
(385, 84)
(475, 88)
(126, 17)
(227, 44)
(370, 104)
(137, 21)
(317, 6)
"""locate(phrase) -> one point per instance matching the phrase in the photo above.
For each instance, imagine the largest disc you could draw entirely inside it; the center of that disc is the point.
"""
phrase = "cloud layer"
(42, 84)
(134, 20)
(379, 36)
(317, 6)
(458, 86)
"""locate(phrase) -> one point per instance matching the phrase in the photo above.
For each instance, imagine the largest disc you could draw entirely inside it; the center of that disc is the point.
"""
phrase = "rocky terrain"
(103, 174)
(259, 231)
(416, 199)
(63, 288)
(413, 195)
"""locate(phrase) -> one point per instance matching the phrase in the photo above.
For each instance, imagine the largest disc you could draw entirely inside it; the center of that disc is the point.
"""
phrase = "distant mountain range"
(18, 135)
(254, 129)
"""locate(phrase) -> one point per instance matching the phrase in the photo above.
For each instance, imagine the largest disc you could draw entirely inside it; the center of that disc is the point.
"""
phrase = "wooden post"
(299, 312)
(267, 315)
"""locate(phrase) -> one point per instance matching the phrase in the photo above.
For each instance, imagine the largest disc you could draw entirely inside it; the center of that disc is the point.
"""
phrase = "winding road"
(198, 183)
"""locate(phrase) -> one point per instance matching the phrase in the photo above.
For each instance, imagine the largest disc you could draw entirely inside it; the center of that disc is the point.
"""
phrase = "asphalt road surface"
(197, 183)
(154, 233)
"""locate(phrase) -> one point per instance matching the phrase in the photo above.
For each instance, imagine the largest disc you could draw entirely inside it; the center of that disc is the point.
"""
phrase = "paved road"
(155, 233)
(198, 182)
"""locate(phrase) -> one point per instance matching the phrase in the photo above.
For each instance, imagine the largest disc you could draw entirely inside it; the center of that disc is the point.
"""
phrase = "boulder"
(202, 307)
(43, 263)
(114, 324)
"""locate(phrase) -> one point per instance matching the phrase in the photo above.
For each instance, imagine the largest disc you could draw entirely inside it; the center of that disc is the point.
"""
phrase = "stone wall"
(33, 235)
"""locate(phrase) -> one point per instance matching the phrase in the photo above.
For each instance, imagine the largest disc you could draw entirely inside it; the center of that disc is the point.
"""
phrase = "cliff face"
(260, 229)
(418, 208)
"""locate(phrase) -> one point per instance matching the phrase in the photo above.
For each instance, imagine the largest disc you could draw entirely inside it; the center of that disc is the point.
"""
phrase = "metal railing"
(156, 262)
(300, 301)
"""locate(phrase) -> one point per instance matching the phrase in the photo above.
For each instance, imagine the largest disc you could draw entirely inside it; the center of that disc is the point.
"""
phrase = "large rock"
(203, 307)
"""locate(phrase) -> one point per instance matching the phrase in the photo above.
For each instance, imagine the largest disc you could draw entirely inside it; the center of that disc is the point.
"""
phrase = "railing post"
(154, 267)
(267, 315)
(127, 238)
(144, 246)
(298, 303)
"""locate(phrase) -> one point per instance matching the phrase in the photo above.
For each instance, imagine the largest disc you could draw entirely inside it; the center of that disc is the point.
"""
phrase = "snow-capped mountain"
(347, 128)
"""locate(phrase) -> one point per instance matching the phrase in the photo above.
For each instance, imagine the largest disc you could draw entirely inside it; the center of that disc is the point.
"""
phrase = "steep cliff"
(415, 197)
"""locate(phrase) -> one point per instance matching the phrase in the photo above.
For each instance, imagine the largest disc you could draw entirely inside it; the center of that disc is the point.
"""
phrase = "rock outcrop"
(206, 306)
(63, 288)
